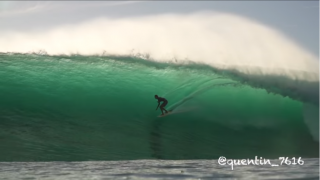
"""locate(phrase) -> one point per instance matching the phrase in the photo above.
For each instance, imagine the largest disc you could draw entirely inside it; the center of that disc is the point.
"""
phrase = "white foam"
(221, 40)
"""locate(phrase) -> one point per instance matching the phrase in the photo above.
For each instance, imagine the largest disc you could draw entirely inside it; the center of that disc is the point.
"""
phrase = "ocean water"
(87, 117)
(156, 169)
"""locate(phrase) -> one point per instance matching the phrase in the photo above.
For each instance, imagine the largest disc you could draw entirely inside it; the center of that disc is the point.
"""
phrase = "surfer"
(165, 102)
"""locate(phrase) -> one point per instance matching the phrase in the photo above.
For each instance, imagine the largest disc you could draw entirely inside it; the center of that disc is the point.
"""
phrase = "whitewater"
(85, 92)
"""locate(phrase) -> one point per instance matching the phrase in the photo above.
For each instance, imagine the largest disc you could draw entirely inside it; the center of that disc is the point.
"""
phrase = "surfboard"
(169, 112)
(177, 111)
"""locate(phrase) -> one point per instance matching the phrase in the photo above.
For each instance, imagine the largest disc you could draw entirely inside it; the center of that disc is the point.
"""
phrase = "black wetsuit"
(165, 102)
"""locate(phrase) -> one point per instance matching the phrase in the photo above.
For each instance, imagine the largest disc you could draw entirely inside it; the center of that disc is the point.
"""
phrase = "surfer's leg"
(162, 107)
(165, 110)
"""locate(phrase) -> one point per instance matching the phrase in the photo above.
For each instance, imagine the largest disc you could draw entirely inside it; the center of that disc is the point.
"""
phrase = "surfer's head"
(156, 96)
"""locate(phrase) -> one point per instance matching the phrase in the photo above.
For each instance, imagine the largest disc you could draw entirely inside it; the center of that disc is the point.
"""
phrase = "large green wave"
(71, 108)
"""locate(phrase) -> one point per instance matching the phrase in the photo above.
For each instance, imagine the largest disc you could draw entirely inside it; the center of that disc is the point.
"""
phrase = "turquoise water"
(78, 108)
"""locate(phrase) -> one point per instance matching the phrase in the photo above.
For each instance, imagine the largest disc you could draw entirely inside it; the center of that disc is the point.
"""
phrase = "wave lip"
(253, 52)
(221, 40)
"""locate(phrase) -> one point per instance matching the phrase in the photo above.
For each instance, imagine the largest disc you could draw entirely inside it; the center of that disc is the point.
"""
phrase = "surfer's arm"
(158, 105)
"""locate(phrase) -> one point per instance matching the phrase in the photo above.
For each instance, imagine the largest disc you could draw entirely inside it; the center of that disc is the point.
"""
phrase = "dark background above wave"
(103, 108)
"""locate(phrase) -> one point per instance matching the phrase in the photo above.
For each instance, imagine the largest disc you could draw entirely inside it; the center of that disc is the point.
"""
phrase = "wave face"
(72, 108)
